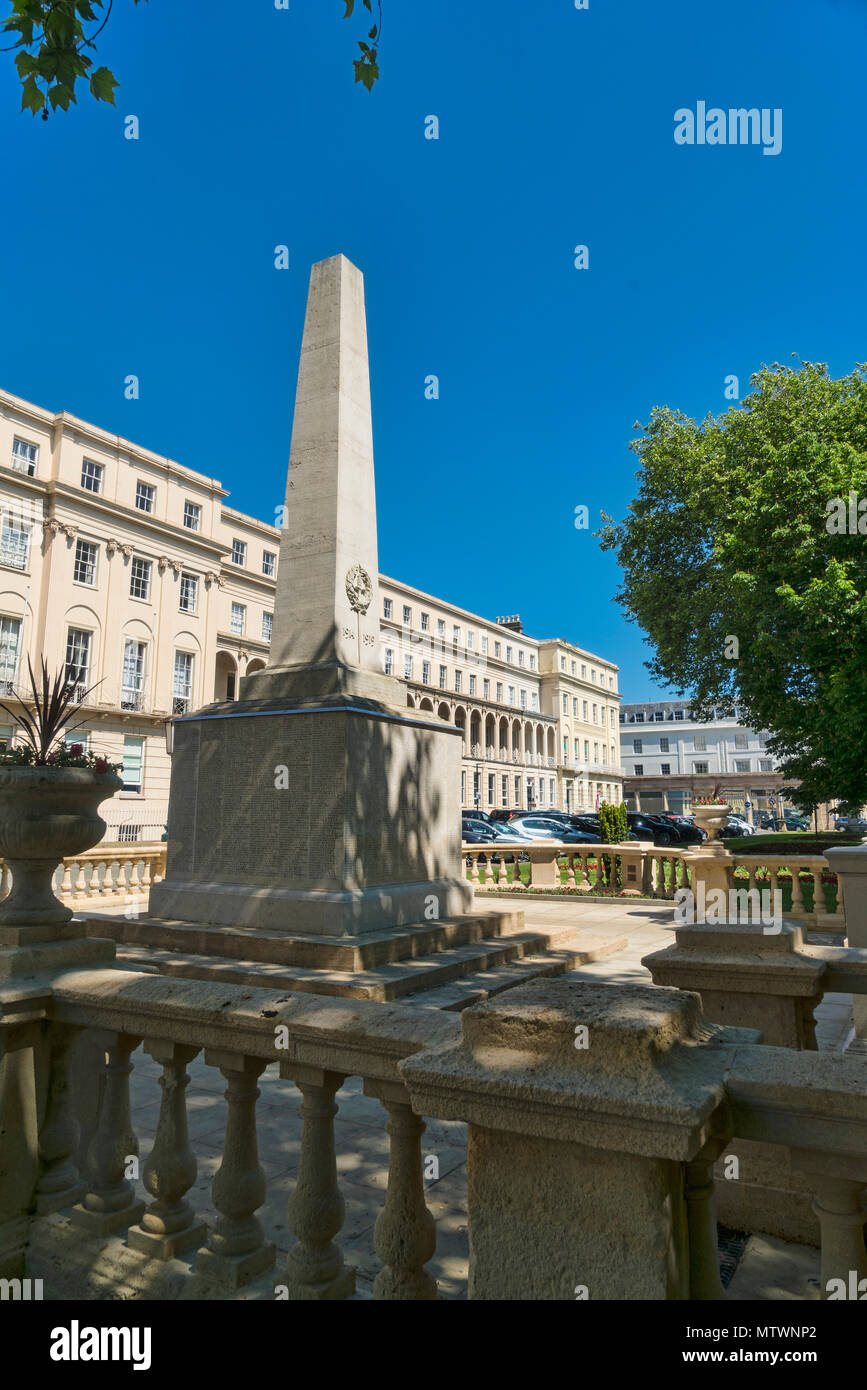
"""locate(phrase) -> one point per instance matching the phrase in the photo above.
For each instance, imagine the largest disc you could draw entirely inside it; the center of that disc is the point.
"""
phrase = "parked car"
(684, 823)
(686, 832)
(477, 832)
(851, 823)
(477, 815)
(645, 827)
(539, 827)
(738, 825)
(501, 813)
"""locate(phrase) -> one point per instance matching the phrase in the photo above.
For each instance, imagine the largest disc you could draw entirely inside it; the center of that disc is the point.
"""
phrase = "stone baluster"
(134, 885)
(774, 881)
(700, 1192)
(647, 889)
(315, 1268)
(110, 1201)
(838, 1204)
(672, 882)
(146, 879)
(821, 898)
(474, 869)
(80, 882)
(405, 1235)
(59, 1183)
(798, 909)
(658, 876)
(237, 1251)
(584, 883)
(169, 1225)
(120, 866)
(570, 871)
(65, 890)
(752, 880)
(599, 881)
(4, 879)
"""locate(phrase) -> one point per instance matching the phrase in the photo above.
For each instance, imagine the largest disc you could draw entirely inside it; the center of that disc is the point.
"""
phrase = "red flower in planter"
(100, 765)
(76, 750)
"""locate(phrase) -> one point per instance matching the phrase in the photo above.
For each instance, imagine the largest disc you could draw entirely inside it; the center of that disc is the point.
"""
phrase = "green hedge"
(788, 842)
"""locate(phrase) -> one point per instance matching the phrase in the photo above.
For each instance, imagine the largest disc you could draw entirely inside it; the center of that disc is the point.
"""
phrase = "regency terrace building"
(132, 571)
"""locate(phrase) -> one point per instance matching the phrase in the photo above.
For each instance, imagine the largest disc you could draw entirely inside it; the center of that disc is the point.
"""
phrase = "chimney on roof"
(514, 623)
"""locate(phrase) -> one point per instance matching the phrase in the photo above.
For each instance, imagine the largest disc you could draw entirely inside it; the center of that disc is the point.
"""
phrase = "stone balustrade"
(123, 872)
(811, 872)
(605, 1104)
(633, 869)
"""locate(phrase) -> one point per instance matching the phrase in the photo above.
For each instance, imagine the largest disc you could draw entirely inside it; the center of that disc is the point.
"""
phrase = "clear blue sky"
(155, 257)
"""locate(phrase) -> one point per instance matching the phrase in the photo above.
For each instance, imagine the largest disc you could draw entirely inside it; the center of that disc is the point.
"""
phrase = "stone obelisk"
(318, 803)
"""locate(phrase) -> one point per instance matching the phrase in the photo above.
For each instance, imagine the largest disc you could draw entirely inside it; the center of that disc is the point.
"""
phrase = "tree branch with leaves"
(55, 40)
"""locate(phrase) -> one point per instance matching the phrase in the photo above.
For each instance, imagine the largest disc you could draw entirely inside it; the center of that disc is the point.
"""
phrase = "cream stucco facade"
(133, 570)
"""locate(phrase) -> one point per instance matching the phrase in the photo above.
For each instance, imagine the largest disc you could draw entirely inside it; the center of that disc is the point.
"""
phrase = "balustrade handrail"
(356, 1037)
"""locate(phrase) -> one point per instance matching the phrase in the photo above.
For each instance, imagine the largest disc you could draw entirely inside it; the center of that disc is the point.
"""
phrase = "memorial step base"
(452, 963)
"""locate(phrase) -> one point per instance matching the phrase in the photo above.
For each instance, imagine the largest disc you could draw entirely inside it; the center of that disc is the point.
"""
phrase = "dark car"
(662, 833)
(540, 827)
(686, 831)
(477, 815)
(503, 814)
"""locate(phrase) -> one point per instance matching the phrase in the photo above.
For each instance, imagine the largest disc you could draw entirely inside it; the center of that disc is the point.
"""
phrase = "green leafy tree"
(612, 831)
(745, 562)
(55, 39)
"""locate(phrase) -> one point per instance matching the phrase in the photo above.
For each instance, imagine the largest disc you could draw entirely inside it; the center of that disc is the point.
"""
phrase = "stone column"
(405, 1234)
(839, 1185)
(169, 1226)
(110, 1203)
(587, 1101)
(237, 1251)
(59, 1183)
(315, 1268)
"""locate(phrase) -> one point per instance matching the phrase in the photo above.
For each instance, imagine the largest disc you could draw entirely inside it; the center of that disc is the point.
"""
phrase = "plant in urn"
(50, 792)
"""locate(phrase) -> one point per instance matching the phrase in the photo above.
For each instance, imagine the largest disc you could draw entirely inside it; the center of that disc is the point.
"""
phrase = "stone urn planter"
(46, 814)
(712, 819)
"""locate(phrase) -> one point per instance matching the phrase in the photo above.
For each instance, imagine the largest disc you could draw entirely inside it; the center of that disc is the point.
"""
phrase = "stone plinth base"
(331, 1291)
(105, 1223)
(49, 1202)
(311, 913)
(166, 1247)
(329, 817)
(233, 1271)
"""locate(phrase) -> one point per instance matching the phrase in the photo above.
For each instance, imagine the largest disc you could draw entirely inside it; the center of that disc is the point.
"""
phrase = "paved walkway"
(770, 1268)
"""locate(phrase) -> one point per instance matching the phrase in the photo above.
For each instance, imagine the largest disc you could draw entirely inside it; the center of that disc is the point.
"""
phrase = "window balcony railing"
(132, 699)
(181, 704)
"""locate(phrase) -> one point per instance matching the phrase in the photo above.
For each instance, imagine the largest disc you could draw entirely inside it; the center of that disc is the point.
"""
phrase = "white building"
(669, 758)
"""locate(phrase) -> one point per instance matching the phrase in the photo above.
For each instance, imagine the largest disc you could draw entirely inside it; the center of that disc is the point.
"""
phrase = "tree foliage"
(54, 39)
(746, 586)
(613, 825)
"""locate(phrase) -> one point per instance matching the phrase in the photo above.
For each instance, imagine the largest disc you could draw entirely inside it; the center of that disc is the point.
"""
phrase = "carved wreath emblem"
(359, 589)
